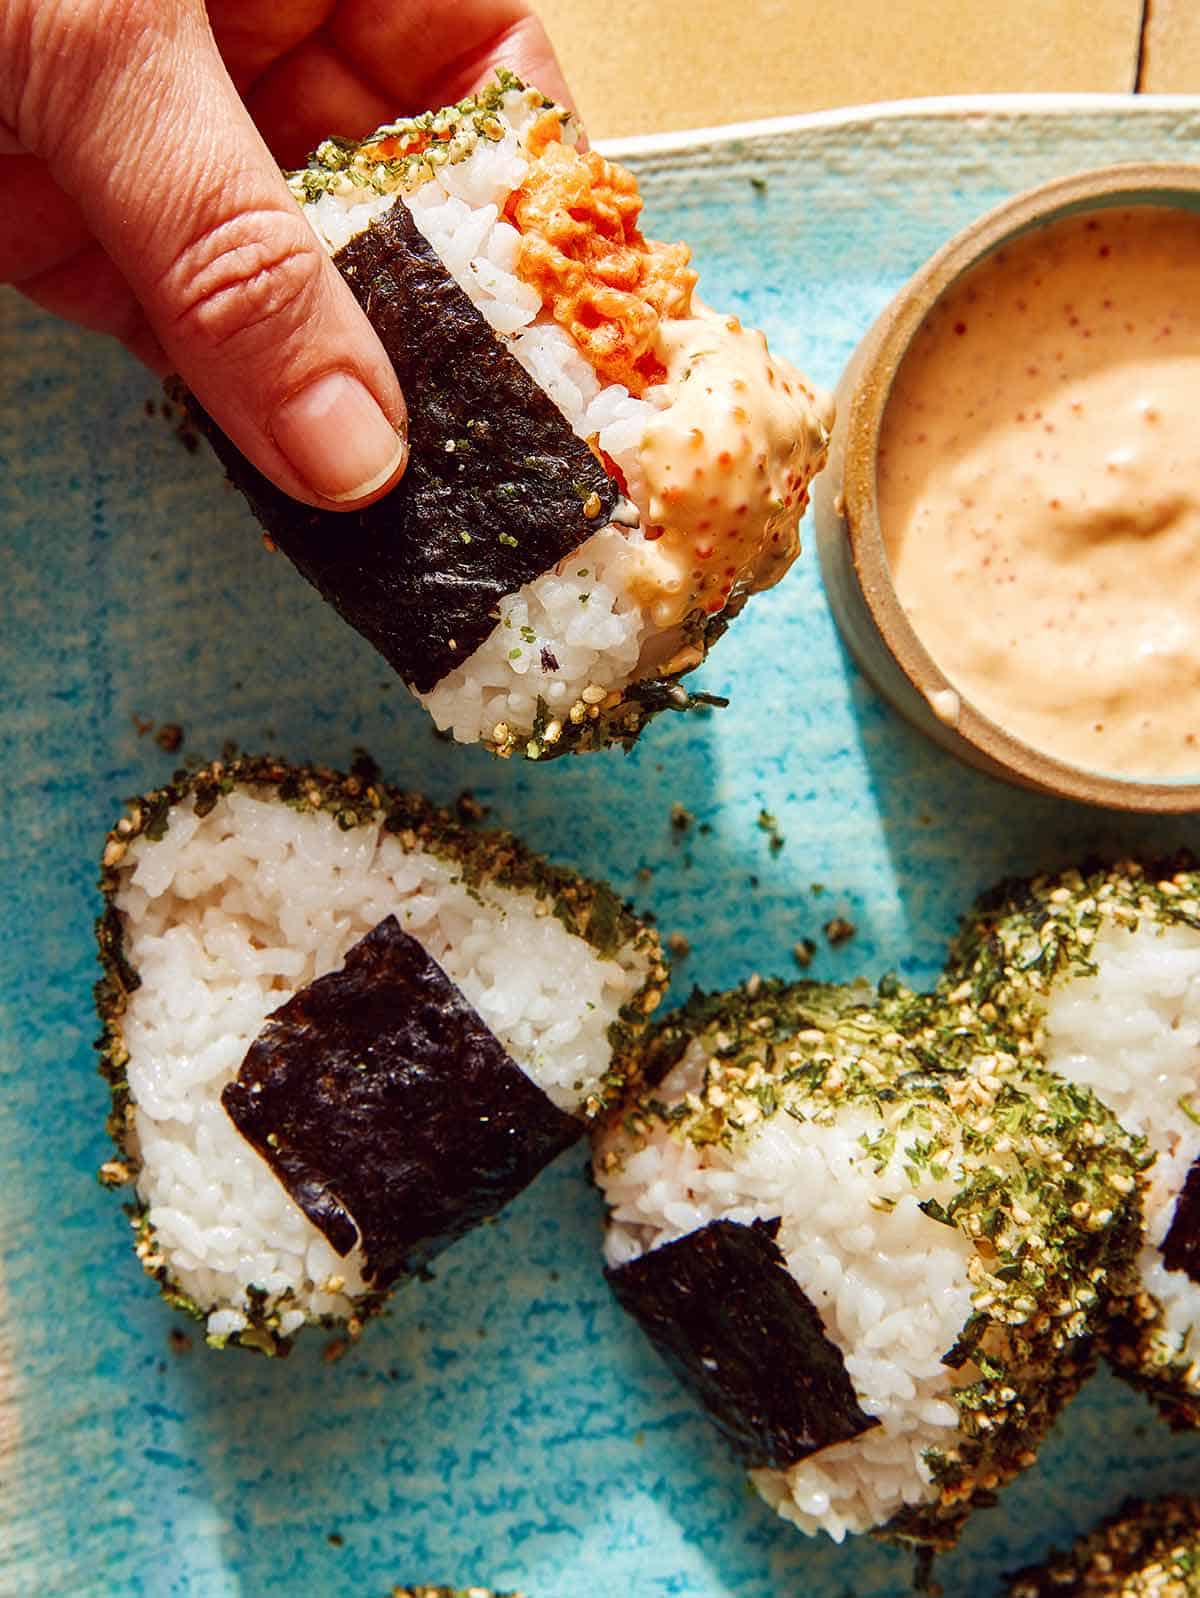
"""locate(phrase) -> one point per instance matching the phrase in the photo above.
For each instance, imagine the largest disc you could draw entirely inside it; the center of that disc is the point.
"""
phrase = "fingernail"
(337, 438)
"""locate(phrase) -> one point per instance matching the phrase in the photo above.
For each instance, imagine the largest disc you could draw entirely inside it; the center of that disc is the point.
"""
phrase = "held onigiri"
(602, 469)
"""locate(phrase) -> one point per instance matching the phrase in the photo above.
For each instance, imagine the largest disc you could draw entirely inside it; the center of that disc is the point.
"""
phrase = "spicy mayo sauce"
(1039, 488)
(726, 466)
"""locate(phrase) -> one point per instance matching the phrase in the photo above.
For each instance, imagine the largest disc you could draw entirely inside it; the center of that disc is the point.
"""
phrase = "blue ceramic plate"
(506, 1423)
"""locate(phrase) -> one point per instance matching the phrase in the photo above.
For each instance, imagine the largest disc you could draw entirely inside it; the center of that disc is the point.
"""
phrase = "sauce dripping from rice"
(726, 465)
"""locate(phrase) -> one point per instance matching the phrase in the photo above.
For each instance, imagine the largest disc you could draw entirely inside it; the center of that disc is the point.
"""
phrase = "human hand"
(140, 196)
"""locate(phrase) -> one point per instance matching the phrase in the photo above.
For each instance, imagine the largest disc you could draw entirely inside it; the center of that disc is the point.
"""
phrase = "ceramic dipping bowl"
(851, 541)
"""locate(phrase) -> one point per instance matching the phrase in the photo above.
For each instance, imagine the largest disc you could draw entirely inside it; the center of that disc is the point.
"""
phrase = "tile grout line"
(1139, 65)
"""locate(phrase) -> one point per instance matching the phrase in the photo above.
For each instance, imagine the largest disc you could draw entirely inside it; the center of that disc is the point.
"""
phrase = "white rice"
(569, 637)
(891, 1286)
(224, 919)
(1131, 1032)
(459, 211)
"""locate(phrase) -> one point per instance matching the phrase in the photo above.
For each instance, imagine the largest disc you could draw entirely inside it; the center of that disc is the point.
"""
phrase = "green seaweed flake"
(421, 144)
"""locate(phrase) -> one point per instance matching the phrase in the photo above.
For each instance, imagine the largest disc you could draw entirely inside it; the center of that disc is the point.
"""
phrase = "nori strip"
(1180, 1248)
(388, 1109)
(498, 488)
(724, 1311)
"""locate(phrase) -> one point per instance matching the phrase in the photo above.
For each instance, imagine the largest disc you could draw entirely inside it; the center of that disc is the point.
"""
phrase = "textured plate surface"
(507, 1423)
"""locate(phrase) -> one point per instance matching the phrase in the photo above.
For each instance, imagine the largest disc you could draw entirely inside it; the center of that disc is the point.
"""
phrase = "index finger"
(423, 53)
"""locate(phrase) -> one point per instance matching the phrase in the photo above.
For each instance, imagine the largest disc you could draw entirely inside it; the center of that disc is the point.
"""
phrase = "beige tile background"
(645, 65)
(1171, 58)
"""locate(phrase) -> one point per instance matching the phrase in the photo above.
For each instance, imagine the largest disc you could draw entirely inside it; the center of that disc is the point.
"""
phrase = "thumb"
(179, 188)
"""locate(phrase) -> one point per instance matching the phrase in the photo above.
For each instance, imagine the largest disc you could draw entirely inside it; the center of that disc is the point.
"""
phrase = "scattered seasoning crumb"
(839, 930)
(179, 421)
(142, 723)
(169, 736)
(336, 1540)
(644, 873)
(803, 952)
(758, 184)
(678, 945)
(468, 808)
(549, 659)
(816, 889)
(334, 1350)
(768, 824)
(180, 1342)
(681, 818)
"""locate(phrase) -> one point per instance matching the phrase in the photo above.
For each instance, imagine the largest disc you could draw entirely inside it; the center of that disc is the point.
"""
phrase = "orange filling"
(582, 251)
(394, 146)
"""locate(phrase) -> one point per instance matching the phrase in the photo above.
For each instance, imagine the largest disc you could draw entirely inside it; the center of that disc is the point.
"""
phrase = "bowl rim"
(956, 722)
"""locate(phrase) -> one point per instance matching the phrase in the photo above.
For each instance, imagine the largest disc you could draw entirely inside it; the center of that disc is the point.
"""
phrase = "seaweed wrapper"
(725, 1313)
(389, 1111)
(497, 490)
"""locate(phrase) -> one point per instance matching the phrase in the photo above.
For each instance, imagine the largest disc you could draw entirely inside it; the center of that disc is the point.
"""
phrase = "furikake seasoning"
(1023, 942)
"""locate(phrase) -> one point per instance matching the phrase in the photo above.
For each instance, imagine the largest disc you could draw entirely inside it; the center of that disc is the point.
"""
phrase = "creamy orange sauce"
(1039, 489)
(726, 467)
